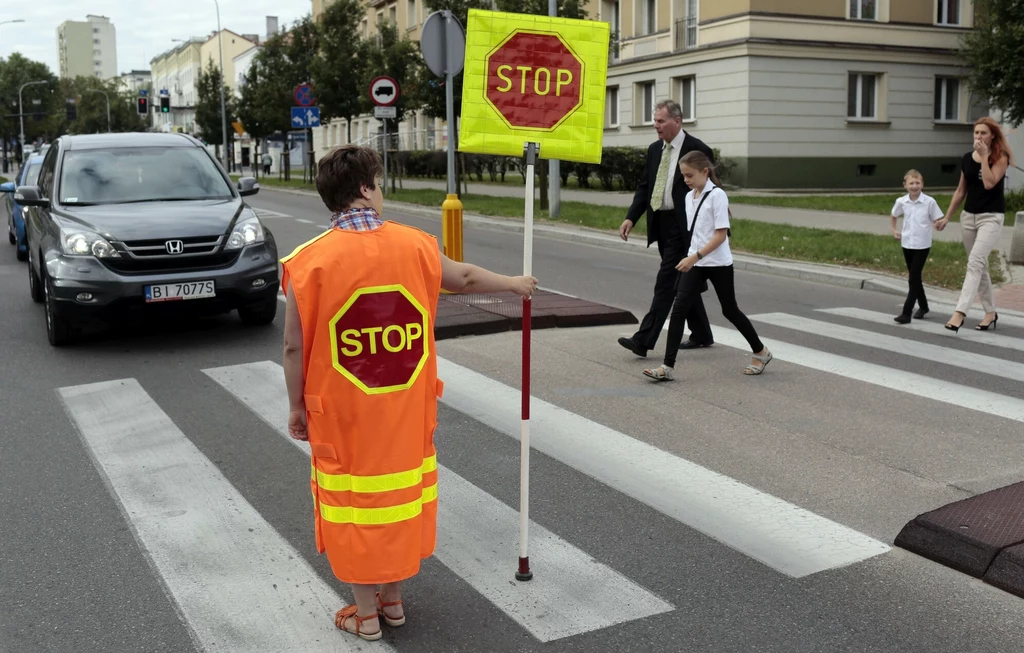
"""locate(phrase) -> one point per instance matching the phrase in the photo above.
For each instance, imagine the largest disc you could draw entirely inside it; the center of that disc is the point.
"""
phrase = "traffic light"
(165, 104)
(143, 106)
(72, 109)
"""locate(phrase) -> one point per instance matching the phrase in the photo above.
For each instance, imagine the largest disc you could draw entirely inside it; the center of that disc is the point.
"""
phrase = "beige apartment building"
(177, 72)
(796, 93)
(234, 45)
(87, 48)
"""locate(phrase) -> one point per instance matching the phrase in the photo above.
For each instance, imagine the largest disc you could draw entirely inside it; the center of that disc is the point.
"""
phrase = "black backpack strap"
(697, 212)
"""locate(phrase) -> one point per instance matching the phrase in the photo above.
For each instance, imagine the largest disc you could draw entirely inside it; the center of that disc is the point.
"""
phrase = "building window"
(393, 15)
(95, 41)
(861, 103)
(947, 99)
(949, 12)
(863, 9)
(411, 9)
(650, 16)
(688, 97)
(646, 107)
(611, 107)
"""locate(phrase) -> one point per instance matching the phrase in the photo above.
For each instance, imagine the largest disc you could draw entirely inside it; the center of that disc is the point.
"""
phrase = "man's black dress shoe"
(902, 319)
(629, 344)
(691, 344)
(921, 312)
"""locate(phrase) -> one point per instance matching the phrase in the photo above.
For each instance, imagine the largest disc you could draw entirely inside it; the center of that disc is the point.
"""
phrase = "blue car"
(15, 217)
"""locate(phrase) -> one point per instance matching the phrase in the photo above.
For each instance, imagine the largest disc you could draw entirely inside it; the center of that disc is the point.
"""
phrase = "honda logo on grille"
(174, 246)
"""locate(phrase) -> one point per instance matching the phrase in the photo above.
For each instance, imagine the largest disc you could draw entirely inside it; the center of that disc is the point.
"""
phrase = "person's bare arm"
(466, 277)
(293, 377)
(991, 176)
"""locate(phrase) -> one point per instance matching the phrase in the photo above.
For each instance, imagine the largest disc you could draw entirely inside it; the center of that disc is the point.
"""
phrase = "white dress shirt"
(714, 214)
(918, 220)
(673, 165)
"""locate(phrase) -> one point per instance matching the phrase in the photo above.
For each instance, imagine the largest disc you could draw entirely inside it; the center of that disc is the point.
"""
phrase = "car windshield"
(144, 174)
(32, 174)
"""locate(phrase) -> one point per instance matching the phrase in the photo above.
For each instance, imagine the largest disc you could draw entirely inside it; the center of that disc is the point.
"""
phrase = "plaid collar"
(356, 219)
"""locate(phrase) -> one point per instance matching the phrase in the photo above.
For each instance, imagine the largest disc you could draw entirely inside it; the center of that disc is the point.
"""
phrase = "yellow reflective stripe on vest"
(379, 483)
(374, 516)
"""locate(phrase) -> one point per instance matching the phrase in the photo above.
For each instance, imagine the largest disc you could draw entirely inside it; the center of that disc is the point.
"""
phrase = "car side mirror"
(29, 196)
(248, 186)
(7, 187)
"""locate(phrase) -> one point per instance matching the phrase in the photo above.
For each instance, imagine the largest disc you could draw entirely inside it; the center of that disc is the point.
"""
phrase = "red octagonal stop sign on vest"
(534, 80)
(379, 339)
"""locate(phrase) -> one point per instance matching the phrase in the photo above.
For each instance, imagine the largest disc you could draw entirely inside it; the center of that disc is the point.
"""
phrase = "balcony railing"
(686, 33)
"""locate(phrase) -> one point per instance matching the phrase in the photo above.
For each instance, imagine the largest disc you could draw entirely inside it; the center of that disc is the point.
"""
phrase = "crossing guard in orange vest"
(361, 372)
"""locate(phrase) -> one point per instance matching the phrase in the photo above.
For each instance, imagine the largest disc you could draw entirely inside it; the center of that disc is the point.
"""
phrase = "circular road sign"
(384, 91)
(303, 95)
(379, 339)
(534, 80)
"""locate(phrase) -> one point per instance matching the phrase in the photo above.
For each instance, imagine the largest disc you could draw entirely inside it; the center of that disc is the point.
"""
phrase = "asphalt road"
(717, 513)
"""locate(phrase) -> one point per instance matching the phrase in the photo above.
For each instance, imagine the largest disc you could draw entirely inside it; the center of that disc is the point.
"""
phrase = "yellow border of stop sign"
(578, 137)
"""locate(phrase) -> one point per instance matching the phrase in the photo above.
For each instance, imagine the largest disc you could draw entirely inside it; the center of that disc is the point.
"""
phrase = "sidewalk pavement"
(1010, 295)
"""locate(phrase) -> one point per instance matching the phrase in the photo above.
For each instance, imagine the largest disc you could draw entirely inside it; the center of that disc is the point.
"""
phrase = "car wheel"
(21, 256)
(58, 329)
(259, 314)
(12, 238)
(35, 287)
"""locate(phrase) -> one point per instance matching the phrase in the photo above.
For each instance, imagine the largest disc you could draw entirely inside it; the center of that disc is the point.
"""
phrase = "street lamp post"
(223, 106)
(21, 114)
(16, 20)
(107, 97)
(4, 135)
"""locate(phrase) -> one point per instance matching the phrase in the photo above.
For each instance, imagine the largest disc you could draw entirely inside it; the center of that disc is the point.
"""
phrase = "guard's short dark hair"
(343, 171)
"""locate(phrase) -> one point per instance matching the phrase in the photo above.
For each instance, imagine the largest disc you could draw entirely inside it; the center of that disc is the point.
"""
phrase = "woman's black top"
(980, 200)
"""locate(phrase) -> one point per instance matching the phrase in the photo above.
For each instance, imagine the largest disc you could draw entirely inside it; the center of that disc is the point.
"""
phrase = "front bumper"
(252, 277)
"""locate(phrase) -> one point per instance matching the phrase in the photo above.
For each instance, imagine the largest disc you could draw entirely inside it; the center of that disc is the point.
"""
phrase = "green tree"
(208, 110)
(397, 57)
(994, 50)
(338, 69)
(15, 71)
(91, 95)
(431, 93)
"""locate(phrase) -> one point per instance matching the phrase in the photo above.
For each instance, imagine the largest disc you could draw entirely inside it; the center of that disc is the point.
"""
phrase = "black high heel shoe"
(957, 327)
(984, 327)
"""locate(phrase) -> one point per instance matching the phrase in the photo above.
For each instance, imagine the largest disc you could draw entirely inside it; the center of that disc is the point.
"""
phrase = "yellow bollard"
(451, 227)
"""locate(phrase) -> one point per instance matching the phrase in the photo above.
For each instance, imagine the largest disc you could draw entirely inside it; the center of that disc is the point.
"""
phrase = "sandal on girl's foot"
(659, 373)
(751, 370)
(388, 620)
(349, 612)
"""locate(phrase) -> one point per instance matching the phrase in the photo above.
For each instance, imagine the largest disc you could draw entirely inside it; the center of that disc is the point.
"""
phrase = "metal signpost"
(306, 116)
(384, 94)
(443, 45)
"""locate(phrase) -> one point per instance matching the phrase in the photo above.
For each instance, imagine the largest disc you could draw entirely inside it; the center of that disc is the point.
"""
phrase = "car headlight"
(246, 232)
(86, 243)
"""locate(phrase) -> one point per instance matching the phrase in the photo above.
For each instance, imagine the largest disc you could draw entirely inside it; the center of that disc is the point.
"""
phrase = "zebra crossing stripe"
(944, 355)
(238, 583)
(570, 594)
(783, 536)
(993, 339)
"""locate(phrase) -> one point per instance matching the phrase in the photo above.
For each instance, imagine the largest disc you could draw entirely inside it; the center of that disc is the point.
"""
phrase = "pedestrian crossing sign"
(534, 79)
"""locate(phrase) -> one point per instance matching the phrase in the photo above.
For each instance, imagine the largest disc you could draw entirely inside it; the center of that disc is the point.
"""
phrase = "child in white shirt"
(919, 212)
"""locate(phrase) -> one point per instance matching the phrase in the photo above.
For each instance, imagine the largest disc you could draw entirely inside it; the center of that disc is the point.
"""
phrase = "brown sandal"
(388, 620)
(349, 611)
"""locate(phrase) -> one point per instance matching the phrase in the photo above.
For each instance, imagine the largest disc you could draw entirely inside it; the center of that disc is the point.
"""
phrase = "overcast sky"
(141, 33)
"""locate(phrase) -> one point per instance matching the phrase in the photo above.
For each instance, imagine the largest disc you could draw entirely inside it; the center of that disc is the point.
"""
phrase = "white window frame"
(941, 13)
(611, 110)
(856, 12)
(943, 95)
(858, 79)
(650, 19)
(690, 106)
(647, 102)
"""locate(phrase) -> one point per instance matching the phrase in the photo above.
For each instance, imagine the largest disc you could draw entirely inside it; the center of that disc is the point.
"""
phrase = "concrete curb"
(817, 272)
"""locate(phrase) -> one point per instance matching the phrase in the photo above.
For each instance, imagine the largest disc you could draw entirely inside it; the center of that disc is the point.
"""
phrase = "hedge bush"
(621, 168)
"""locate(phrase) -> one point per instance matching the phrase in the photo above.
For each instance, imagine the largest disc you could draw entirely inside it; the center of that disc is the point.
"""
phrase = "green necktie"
(658, 197)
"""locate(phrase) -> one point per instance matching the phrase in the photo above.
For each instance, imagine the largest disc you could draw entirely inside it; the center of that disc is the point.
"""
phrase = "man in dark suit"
(660, 195)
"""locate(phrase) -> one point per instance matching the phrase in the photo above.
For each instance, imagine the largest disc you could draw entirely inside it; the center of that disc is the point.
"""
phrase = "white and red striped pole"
(524, 572)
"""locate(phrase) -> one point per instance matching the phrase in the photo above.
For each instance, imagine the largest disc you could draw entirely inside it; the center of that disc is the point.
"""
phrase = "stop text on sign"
(392, 338)
(534, 80)
(541, 78)
(379, 339)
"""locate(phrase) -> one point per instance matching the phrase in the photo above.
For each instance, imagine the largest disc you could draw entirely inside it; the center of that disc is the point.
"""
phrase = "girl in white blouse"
(708, 259)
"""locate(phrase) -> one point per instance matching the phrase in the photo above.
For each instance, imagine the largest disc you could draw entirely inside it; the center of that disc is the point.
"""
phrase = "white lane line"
(931, 327)
(779, 534)
(267, 213)
(238, 583)
(304, 221)
(909, 383)
(943, 311)
(943, 355)
(478, 535)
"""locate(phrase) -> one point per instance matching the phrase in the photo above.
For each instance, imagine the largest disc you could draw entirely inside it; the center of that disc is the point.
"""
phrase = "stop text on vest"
(394, 338)
(541, 79)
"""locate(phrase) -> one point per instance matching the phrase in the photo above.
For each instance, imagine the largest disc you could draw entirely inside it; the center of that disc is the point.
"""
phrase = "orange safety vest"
(368, 301)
